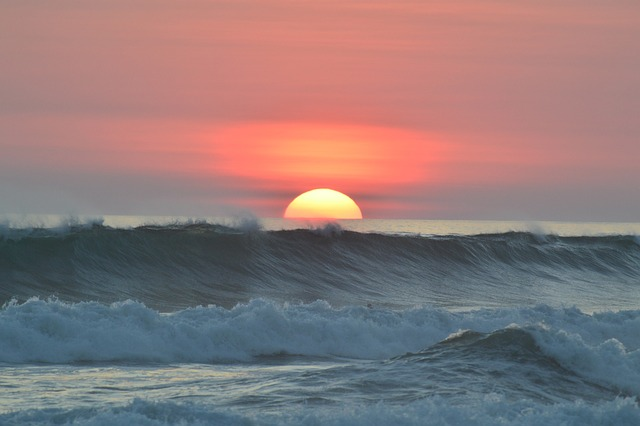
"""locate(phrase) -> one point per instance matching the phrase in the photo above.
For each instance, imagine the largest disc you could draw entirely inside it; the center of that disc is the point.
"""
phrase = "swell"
(172, 267)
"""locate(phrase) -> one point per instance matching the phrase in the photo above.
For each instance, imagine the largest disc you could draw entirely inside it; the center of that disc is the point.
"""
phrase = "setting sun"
(323, 203)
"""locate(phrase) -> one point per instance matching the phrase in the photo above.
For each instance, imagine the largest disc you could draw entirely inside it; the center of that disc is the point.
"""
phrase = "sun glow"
(323, 203)
(277, 157)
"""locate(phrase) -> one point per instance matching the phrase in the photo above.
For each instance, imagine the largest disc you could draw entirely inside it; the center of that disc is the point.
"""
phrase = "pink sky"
(417, 109)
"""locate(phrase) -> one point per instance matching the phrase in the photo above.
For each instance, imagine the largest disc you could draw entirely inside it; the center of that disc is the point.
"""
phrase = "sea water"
(122, 320)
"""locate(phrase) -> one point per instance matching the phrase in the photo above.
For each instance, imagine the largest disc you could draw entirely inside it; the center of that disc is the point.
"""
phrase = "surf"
(568, 347)
(176, 266)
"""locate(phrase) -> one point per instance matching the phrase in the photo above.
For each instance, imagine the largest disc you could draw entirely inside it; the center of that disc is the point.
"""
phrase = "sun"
(323, 203)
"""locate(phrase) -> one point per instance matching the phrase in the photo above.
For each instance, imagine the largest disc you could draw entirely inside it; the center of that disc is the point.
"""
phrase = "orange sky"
(457, 109)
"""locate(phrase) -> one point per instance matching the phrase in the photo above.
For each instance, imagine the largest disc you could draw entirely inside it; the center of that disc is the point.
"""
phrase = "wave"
(602, 347)
(177, 266)
(493, 410)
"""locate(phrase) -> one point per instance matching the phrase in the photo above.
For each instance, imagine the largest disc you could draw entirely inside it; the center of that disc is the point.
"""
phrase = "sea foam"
(604, 347)
(493, 410)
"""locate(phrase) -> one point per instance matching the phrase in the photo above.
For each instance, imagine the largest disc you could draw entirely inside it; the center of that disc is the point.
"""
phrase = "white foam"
(607, 362)
(53, 331)
(602, 346)
(328, 229)
(246, 223)
(493, 410)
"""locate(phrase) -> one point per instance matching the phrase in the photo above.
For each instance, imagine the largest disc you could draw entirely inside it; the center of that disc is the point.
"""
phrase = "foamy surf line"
(493, 410)
(603, 346)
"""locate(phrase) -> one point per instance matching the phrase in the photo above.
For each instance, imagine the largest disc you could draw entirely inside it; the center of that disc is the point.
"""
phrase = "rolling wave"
(569, 351)
(177, 266)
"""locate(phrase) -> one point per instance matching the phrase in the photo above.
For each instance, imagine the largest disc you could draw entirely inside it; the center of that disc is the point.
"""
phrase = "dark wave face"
(172, 267)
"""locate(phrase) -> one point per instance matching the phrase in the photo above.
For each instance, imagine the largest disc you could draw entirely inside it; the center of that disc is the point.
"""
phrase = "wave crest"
(175, 266)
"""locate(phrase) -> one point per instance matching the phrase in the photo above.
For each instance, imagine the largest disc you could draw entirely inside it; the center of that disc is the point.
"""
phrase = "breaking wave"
(178, 266)
(603, 347)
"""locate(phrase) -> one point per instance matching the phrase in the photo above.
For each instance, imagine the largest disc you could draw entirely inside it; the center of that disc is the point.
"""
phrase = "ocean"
(244, 321)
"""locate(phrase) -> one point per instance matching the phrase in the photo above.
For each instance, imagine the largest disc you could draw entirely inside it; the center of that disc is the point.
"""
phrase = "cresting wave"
(316, 326)
(602, 347)
(174, 267)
